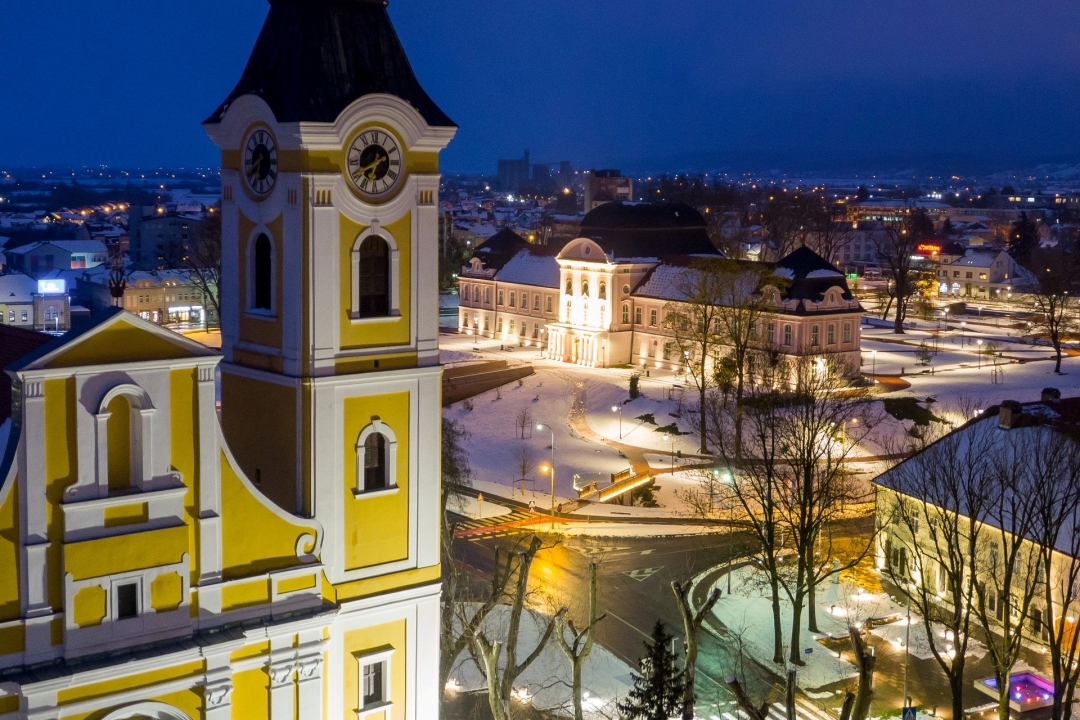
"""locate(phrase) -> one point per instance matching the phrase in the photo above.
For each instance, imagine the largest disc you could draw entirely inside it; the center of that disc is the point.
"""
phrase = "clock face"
(260, 161)
(374, 162)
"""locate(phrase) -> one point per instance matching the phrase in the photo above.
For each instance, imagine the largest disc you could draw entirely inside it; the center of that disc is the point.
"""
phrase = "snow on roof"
(17, 288)
(71, 246)
(784, 272)
(821, 273)
(529, 269)
(974, 258)
(663, 282)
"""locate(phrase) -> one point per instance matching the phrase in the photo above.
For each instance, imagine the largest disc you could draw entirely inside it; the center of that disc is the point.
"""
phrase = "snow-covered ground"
(747, 614)
(547, 682)
(470, 507)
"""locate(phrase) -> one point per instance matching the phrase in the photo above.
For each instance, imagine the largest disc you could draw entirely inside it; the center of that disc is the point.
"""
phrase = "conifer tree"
(658, 690)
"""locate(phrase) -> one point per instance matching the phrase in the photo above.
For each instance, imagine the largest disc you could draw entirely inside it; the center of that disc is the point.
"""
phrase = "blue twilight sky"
(597, 82)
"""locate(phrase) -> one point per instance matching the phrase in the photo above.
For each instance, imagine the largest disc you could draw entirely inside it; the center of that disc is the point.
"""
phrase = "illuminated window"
(547, 305)
(569, 287)
(815, 336)
(487, 296)
(652, 317)
(603, 291)
(831, 335)
(536, 302)
(626, 314)
(513, 299)
(637, 316)
(500, 300)
(787, 334)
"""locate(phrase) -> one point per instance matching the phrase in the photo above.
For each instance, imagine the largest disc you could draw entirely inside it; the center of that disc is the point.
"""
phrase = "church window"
(637, 316)
(603, 291)
(513, 299)
(375, 463)
(374, 271)
(373, 683)
(376, 458)
(626, 314)
(787, 334)
(127, 601)
(831, 334)
(263, 277)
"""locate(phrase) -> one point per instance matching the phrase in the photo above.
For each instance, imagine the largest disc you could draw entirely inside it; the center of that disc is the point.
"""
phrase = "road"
(634, 590)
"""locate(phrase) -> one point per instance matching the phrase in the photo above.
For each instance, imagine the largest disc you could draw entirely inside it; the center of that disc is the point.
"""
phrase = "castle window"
(374, 290)
(652, 317)
(500, 302)
(547, 304)
(815, 336)
(626, 314)
(637, 316)
(831, 334)
(787, 334)
(847, 332)
(569, 287)
(487, 296)
(263, 276)
(536, 302)
(376, 459)
(476, 293)
(513, 299)
(603, 291)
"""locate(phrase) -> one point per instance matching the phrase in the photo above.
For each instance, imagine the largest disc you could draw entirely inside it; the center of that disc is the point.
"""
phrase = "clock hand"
(255, 167)
(373, 167)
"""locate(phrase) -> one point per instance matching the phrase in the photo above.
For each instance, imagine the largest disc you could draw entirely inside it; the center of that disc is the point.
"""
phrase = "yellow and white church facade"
(253, 534)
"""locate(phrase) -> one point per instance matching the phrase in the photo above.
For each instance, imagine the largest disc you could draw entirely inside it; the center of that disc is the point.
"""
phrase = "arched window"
(603, 291)
(585, 288)
(375, 475)
(120, 443)
(374, 289)
(569, 287)
(124, 424)
(626, 314)
(263, 277)
(476, 293)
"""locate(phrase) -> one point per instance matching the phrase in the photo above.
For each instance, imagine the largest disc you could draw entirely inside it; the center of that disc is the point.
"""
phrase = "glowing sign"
(51, 287)
(928, 249)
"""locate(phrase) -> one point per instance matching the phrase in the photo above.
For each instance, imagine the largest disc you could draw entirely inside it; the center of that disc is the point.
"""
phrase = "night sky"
(599, 82)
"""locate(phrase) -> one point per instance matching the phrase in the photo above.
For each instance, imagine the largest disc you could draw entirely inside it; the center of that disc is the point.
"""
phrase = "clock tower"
(331, 383)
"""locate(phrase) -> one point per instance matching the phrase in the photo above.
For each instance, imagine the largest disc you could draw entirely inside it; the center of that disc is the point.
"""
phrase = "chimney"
(1008, 414)
(1051, 395)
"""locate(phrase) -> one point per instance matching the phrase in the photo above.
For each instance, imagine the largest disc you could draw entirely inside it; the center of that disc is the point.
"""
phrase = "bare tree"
(200, 257)
(1055, 297)
(935, 507)
(692, 621)
(523, 420)
(525, 456)
(787, 478)
(497, 659)
(865, 660)
(577, 643)
(896, 247)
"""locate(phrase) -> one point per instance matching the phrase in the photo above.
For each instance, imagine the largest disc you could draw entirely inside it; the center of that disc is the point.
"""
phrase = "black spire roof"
(640, 230)
(314, 58)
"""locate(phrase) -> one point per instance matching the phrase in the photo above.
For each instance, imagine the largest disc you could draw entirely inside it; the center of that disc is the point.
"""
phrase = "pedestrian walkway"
(509, 524)
(804, 710)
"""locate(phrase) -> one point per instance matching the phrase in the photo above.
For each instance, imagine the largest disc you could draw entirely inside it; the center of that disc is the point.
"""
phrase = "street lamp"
(541, 426)
(618, 409)
(963, 325)
(671, 437)
(725, 477)
(980, 352)
(873, 354)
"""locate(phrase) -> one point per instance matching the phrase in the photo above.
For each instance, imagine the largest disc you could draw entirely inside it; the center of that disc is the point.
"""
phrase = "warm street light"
(725, 477)
(980, 352)
(541, 426)
(873, 354)
(618, 409)
(963, 325)
(671, 436)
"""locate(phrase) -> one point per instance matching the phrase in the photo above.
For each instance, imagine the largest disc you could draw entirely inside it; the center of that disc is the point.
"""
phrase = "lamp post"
(963, 325)
(541, 426)
(873, 354)
(618, 409)
(725, 476)
(603, 344)
(980, 352)
(671, 437)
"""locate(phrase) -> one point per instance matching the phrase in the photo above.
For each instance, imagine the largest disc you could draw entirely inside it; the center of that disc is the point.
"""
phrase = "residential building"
(604, 186)
(512, 174)
(982, 274)
(34, 304)
(277, 556)
(153, 238)
(166, 297)
(603, 298)
(39, 258)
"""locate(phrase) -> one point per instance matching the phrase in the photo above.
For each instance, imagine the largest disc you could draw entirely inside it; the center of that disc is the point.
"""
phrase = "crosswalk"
(510, 524)
(804, 710)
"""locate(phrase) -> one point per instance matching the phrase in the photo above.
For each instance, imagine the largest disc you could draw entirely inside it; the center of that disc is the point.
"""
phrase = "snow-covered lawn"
(471, 508)
(747, 614)
(547, 682)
